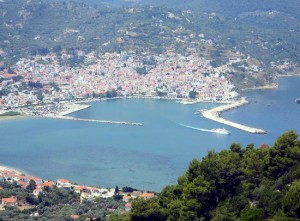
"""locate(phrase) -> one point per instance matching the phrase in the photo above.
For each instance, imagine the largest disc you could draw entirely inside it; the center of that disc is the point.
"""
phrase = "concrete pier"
(73, 107)
(214, 114)
(96, 121)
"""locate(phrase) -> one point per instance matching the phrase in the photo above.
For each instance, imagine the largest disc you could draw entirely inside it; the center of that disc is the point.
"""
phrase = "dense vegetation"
(9, 113)
(53, 204)
(265, 33)
(237, 184)
(267, 30)
(247, 184)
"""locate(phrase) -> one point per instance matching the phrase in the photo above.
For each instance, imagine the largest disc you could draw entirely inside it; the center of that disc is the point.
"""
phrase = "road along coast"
(214, 114)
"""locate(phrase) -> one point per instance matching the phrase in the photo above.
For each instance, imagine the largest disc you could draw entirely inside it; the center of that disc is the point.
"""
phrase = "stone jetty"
(96, 121)
(214, 114)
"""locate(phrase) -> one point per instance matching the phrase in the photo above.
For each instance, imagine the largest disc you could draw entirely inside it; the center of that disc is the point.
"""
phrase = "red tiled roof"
(11, 199)
(8, 75)
(147, 195)
(49, 184)
(75, 216)
(34, 178)
(263, 146)
(79, 187)
(22, 184)
(63, 181)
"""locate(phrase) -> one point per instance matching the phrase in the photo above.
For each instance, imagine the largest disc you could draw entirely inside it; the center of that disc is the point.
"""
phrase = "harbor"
(214, 114)
(150, 156)
(73, 107)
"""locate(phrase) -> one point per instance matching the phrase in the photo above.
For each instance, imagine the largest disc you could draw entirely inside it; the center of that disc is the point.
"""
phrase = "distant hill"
(229, 8)
(267, 31)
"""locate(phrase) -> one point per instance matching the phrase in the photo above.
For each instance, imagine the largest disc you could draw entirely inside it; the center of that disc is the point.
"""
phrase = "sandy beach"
(11, 169)
(214, 114)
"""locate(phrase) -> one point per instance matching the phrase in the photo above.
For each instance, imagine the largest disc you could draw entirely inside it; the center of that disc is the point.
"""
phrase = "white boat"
(220, 131)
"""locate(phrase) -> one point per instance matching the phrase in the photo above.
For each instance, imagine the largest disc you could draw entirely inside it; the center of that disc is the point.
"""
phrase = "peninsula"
(214, 114)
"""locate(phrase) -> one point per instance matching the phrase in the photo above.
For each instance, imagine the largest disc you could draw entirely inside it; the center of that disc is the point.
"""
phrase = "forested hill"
(229, 8)
(266, 30)
(236, 184)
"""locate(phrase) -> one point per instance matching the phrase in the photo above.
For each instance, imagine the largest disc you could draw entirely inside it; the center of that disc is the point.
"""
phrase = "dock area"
(94, 120)
(214, 114)
(73, 107)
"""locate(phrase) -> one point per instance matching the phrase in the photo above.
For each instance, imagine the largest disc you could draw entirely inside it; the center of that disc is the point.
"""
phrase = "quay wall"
(96, 121)
(214, 114)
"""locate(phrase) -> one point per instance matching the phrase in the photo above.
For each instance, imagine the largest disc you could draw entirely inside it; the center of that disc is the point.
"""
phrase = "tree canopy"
(235, 184)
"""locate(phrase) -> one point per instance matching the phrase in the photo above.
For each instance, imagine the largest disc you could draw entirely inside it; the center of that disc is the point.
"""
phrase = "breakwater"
(96, 121)
(214, 114)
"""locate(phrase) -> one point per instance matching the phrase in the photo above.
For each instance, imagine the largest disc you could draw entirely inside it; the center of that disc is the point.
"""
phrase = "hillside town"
(47, 80)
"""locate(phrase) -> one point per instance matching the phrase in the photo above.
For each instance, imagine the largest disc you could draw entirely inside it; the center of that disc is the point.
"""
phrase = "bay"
(147, 157)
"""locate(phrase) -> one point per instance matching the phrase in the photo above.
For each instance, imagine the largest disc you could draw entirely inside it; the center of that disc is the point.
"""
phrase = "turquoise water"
(148, 157)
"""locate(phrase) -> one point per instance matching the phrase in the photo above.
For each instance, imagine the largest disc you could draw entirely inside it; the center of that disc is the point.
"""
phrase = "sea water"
(147, 157)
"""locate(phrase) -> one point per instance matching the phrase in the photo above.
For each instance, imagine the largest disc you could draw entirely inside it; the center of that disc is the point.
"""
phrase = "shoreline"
(73, 107)
(84, 103)
(288, 75)
(81, 104)
(266, 87)
(3, 118)
(272, 85)
(185, 101)
(12, 169)
(3, 167)
(214, 114)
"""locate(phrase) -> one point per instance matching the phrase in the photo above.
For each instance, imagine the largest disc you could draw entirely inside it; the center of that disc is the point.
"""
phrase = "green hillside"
(266, 30)
(236, 184)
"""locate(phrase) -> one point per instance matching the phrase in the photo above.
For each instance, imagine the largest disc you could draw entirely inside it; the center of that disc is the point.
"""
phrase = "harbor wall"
(215, 115)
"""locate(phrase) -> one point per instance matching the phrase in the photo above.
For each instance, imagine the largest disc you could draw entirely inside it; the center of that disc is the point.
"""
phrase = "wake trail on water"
(196, 128)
